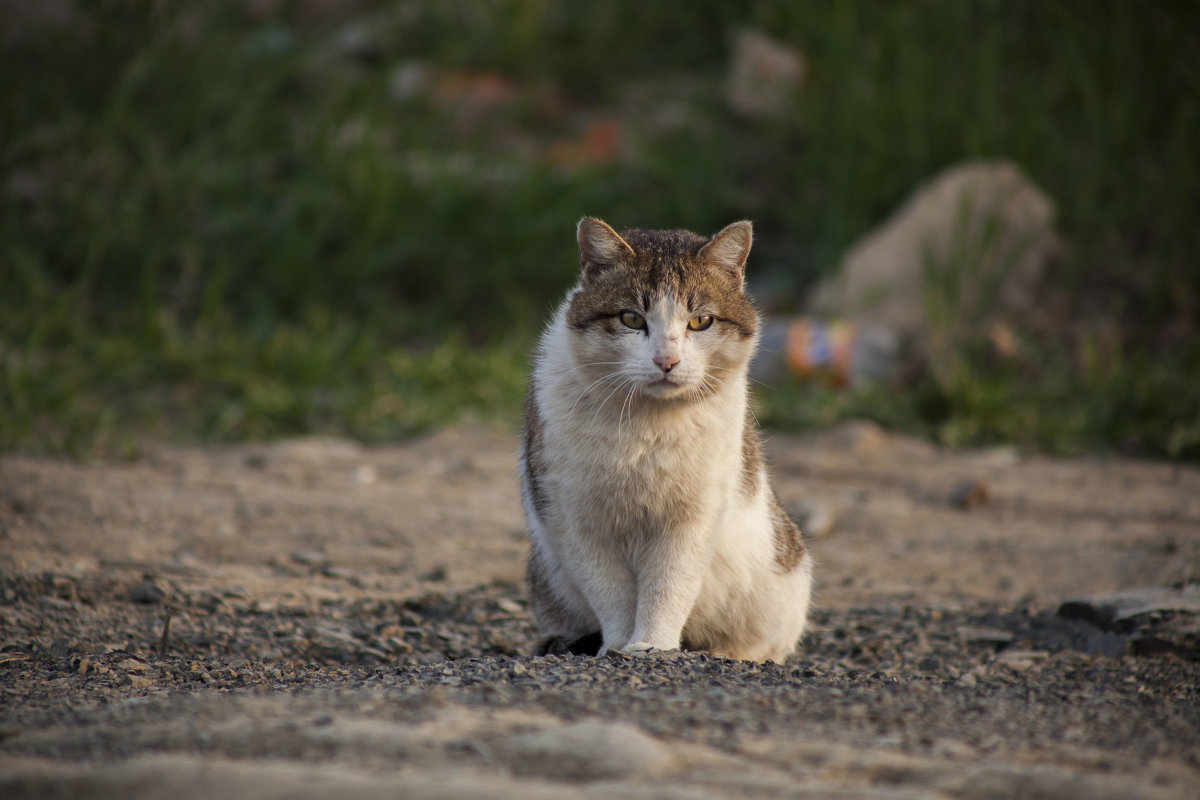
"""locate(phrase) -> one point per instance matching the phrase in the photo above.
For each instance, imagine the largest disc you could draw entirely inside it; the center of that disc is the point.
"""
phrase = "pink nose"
(665, 362)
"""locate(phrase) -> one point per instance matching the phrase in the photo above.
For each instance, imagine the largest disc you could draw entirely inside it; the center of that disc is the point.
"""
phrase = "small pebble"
(147, 593)
(311, 558)
(969, 494)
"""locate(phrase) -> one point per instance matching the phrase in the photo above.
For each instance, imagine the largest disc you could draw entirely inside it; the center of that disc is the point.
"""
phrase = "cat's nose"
(666, 361)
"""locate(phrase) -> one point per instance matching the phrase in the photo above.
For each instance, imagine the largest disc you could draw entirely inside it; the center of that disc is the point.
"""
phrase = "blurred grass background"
(232, 221)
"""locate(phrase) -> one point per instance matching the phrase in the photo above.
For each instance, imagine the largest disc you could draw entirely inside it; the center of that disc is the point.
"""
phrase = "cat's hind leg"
(564, 617)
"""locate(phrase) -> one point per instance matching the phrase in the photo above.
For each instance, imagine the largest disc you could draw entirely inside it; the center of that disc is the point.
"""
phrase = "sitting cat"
(652, 522)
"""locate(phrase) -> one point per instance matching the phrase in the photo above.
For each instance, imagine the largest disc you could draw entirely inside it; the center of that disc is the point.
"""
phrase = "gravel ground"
(948, 683)
(178, 680)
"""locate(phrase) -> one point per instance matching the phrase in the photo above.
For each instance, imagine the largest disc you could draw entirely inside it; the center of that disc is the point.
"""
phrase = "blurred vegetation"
(221, 224)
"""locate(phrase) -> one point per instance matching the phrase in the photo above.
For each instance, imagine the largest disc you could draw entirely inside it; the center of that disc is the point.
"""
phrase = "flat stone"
(311, 558)
(1104, 610)
(587, 751)
(968, 633)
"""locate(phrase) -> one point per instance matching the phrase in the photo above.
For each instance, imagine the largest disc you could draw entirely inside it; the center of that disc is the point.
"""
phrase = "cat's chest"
(649, 456)
(631, 484)
(656, 460)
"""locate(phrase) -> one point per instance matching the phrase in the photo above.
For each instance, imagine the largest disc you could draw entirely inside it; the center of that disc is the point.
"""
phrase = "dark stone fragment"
(1098, 616)
(147, 593)
(1152, 646)
(969, 494)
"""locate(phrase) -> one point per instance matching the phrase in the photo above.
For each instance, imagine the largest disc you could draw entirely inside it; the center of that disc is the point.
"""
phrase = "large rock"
(972, 242)
(765, 77)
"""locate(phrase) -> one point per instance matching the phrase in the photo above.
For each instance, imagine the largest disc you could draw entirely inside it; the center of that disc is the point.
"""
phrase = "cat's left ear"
(730, 248)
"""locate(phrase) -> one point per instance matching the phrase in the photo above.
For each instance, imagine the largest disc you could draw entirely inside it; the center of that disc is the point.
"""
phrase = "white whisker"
(578, 367)
(628, 398)
(612, 376)
(620, 385)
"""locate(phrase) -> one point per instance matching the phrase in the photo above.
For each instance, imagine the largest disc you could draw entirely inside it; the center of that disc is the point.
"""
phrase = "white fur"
(647, 529)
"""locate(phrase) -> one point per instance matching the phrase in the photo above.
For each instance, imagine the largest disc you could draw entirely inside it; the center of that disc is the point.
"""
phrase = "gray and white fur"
(653, 525)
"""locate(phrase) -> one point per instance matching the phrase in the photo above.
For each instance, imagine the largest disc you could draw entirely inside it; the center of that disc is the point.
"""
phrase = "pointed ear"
(600, 247)
(730, 248)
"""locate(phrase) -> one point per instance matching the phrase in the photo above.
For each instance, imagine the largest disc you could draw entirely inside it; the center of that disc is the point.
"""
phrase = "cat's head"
(662, 313)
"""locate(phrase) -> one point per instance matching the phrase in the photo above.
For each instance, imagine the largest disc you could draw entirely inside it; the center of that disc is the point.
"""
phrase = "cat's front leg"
(614, 606)
(608, 585)
(668, 586)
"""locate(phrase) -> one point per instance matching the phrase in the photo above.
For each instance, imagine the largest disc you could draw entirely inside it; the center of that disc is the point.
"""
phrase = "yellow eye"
(632, 319)
(700, 323)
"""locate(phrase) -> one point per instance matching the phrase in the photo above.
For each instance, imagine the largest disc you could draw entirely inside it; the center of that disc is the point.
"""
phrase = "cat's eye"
(700, 323)
(632, 319)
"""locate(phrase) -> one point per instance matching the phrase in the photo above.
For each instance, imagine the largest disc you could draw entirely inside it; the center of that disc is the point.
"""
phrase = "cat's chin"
(664, 389)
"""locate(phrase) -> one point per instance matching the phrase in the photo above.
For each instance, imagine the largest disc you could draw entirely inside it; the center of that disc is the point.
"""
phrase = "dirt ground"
(316, 619)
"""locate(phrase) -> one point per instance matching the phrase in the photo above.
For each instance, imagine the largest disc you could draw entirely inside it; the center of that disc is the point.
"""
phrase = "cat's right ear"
(600, 247)
(730, 248)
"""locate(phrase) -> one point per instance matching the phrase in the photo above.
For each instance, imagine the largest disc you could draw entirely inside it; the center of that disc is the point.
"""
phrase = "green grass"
(220, 228)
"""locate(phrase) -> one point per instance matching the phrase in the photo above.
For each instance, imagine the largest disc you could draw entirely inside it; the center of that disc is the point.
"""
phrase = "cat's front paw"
(642, 649)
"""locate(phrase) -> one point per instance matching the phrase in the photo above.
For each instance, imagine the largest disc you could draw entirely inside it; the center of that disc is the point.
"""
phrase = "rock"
(1149, 622)
(366, 474)
(981, 228)
(510, 606)
(1021, 659)
(436, 575)
(309, 558)
(587, 751)
(1107, 610)
(969, 494)
(334, 639)
(430, 657)
(816, 519)
(764, 76)
(136, 681)
(967, 633)
(147, 592)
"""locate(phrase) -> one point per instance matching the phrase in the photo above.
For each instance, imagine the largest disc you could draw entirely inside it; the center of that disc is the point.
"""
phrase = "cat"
(652, 522)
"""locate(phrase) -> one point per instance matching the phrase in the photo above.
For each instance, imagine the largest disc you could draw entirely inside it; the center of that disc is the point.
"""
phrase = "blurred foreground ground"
(350, 621)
